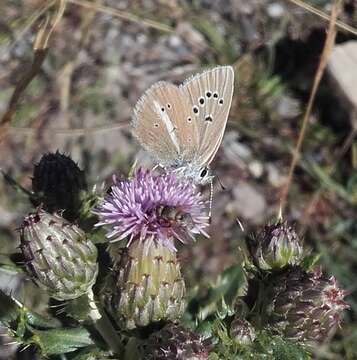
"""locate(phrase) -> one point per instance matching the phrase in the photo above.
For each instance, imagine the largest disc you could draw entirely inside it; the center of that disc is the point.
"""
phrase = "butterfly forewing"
(164, 124)
(210, 95)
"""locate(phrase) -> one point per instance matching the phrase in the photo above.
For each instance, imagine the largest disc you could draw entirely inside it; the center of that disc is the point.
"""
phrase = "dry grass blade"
(124, 15)
(329, 43)
(46, 30)
(40, 51)
(321, 14)
(31, 20)
(73, 132)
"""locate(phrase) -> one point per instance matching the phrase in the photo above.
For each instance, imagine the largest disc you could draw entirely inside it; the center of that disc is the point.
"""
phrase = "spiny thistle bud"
(150, 212)
(58, 255)
(241, 331)
(57, 182)
(276, 247)
(148, 286)
(174, 342)
(303, 306)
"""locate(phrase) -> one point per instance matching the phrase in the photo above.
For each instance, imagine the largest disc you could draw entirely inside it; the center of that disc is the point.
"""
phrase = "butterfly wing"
(210, 95)
(164, 125)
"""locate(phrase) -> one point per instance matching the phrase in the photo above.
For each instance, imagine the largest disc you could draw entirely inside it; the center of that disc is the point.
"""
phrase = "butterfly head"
(198, 174)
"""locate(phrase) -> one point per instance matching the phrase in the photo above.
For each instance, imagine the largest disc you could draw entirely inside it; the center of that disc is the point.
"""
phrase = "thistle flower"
(174, 342)
(57, 182)
(151, 211)
(303, 306)
(242, 331)
(58, 255)
(140, 209)
(276, 247)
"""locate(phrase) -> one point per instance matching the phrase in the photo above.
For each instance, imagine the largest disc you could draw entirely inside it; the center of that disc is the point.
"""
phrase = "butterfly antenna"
(210, 199)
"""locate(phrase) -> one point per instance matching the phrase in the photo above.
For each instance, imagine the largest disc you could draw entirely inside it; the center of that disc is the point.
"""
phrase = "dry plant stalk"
(124, 15)
(329, 43)
(324, 16)
(40, 48)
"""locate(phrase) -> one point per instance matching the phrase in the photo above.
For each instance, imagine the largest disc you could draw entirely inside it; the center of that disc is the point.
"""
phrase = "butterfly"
(183, 126)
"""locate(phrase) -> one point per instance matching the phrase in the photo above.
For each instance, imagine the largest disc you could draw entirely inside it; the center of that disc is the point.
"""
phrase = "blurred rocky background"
(98, 65)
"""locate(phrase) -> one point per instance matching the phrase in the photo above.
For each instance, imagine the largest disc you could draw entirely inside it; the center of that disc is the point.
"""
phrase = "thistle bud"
(148, 286)
(58, 255)
(174, 342)
(276, 247)
(242, 332)
(57, 182)
(303, 306)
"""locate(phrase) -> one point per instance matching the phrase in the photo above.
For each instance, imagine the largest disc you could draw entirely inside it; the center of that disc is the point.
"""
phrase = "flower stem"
(104, 326)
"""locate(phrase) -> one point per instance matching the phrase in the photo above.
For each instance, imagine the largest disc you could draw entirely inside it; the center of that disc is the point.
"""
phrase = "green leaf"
(10, 310)
(265, 347)
(61, 341)
(78, 308)
(222, 295)
(92, 353)
(42, 322)
(309, 262)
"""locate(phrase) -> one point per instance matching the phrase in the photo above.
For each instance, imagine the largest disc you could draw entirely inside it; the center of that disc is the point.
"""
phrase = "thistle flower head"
(59, 257)
(304, 306)
(174, 342)
(242, 331)
(57, 184)
(276, 247)
(157, 207)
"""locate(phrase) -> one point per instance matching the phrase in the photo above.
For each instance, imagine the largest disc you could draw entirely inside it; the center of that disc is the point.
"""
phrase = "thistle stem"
(104, 326)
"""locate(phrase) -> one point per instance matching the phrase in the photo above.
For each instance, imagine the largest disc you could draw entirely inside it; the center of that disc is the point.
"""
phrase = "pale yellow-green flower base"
(147, 285)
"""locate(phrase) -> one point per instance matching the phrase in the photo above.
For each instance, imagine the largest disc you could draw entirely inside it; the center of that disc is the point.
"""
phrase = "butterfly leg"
(210, 200)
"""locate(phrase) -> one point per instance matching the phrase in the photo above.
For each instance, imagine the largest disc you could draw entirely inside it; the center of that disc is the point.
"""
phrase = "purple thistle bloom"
(153, 207)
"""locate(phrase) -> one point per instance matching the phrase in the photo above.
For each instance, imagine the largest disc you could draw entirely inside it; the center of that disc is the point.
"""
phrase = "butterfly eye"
(201, 100)
(220, 101)
(204, 173)
(208, 94)
(215, 95)
(195, 109)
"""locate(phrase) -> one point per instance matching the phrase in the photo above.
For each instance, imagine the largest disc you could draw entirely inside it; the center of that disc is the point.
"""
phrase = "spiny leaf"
(61, 341)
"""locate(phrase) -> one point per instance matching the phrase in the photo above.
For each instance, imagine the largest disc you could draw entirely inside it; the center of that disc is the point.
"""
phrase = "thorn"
(25, 347)
(240, 224)
(280, 214)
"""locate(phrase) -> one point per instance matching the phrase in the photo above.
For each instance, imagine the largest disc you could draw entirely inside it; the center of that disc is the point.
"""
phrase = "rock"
(342, 68)
(256, 168)
(275, 10)
(275, 177)
(248, 203)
